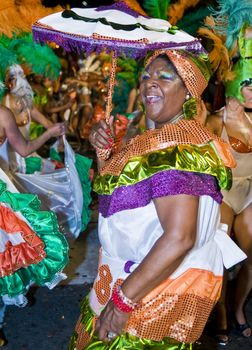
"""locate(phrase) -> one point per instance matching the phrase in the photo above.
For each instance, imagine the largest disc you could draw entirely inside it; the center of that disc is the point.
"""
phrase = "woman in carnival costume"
(19, 98)
(163, 246)
(32, 248)
(234, 124)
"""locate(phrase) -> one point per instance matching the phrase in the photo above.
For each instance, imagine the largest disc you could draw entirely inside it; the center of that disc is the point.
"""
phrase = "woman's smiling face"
(162, 91)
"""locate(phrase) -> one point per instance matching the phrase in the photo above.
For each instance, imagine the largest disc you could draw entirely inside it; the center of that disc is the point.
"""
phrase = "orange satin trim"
(21, 255)
(18, 256)
(224, 153)
(193, 281)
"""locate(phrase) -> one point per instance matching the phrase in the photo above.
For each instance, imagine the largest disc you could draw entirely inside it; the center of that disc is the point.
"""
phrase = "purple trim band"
(165, 183)
(71, 42)
(120, 6)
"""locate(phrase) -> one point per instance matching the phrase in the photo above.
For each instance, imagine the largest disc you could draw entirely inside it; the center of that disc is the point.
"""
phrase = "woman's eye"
(145, 76)
(166, 76)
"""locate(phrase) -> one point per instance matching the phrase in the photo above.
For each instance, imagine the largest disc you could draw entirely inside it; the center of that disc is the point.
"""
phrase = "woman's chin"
(152, 113)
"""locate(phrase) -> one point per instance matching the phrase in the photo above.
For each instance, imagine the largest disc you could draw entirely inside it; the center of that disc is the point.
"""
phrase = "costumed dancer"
(33, 250)
(163, 246)
(76, 196)
(233, 62)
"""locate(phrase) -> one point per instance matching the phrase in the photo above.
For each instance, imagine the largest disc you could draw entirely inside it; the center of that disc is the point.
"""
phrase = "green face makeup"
(167, 75)
(162, 74)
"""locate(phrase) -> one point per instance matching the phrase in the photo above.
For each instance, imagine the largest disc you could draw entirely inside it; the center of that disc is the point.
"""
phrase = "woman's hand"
(111, 320)
(57, 129)
(102, 134)
(202, 115)
(237, 123)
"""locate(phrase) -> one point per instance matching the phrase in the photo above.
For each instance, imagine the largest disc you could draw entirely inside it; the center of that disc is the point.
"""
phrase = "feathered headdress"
(8, 58)
(227, 30)
(230, 17)
(134, 5)
(156, 8)
(18, 16)
(39, 59)
(242, 69)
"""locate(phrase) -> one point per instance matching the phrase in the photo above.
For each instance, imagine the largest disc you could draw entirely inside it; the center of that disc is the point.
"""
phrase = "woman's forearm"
(30, 146)
(163, 259)
(38, 117)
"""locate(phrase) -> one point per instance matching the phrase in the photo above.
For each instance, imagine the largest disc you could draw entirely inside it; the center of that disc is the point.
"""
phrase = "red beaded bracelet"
(121, 301)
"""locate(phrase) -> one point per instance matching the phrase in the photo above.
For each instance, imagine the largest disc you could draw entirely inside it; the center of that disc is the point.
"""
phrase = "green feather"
(156, 8)
(128, 71)
(193, 20)
(40, 59)
(230, 17)
(8, 58)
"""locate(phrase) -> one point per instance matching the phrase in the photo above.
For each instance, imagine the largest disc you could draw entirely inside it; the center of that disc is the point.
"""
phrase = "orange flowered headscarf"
(194, 70)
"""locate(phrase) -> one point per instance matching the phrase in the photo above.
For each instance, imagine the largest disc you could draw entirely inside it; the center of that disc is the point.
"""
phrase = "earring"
(190, 108)
(187, 96)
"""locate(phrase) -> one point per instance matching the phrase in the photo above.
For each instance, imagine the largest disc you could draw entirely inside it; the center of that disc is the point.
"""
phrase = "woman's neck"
(173, 120)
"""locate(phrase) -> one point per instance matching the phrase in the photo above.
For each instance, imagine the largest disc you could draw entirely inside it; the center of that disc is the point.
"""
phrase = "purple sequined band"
(165, 183)
(121, 6)
(134, 49)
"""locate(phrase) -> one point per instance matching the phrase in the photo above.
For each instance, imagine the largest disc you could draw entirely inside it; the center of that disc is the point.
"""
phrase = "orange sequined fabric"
(83, 336)
(184, 132)
(102, 285)
(181, 317)
(177, 308)
(189, 73)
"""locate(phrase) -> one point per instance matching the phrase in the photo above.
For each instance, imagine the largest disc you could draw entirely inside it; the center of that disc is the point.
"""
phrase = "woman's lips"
(150, 99)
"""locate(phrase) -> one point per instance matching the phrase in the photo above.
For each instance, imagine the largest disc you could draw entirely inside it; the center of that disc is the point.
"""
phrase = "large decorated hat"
(117, 29)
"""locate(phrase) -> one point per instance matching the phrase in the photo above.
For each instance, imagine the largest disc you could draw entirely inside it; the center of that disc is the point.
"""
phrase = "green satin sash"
(201, 158)
(123, 342)
(83, 165)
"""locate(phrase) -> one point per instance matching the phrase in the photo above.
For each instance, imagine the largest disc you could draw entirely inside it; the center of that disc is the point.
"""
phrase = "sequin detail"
(193, 70)
(98, 44)
(123, 7)
(84, 337)
(184, 132)
(166, 183)
(102, 285)
(181, 317)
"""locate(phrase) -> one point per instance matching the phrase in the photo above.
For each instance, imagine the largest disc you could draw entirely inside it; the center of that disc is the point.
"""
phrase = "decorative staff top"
(114, 28)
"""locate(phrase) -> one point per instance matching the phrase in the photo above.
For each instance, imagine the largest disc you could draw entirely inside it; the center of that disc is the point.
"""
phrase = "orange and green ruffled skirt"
(32, 249)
